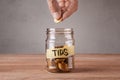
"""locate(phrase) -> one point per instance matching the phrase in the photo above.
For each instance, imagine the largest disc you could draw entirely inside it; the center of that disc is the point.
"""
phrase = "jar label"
(60, 52)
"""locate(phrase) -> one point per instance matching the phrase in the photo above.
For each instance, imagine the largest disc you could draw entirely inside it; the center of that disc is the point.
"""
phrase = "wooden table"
(33, 67)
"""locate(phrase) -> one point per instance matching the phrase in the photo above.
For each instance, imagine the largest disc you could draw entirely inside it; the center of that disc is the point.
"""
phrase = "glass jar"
(60, 49)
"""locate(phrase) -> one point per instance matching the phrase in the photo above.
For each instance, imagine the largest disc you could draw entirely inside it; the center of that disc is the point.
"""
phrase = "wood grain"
(33, 67)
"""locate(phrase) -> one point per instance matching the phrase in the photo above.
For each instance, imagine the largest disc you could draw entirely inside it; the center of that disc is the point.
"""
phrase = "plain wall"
(23, 26)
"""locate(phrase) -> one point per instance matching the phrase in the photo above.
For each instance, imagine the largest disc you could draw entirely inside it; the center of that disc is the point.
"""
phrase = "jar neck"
(53, 33)
(60, 30)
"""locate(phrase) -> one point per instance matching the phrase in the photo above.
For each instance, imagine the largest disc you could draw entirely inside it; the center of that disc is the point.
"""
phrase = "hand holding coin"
(62, 9)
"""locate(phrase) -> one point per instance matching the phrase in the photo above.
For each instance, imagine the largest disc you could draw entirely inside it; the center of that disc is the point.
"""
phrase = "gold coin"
(57, 20)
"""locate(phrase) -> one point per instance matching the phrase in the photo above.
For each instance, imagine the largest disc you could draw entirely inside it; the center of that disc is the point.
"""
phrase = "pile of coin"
(59, 65)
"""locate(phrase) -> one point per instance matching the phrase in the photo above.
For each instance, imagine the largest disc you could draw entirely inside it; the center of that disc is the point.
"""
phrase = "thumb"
(54, 9)
(56, 15)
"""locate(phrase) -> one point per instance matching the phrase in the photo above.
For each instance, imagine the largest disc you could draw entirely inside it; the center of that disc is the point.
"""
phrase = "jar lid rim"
(60, 30)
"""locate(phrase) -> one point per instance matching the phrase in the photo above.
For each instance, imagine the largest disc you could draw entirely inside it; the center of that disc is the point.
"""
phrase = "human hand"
(62, 9)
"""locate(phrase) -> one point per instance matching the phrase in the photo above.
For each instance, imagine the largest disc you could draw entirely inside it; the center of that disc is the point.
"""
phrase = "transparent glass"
(60, 49)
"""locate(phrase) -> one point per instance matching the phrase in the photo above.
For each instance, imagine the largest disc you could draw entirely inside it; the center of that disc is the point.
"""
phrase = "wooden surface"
(87, 67)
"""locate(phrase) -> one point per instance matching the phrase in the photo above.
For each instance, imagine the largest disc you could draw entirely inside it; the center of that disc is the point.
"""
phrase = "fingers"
(72, 7)
(61, 3)
(54, 8)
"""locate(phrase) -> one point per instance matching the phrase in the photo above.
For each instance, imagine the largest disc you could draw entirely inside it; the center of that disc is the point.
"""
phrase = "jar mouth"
(59, 30)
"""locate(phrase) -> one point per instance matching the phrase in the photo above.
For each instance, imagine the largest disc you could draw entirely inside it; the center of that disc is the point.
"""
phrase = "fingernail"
(56, 15)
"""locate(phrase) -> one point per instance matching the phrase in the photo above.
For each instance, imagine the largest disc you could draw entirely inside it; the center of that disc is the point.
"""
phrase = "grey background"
(23, 24)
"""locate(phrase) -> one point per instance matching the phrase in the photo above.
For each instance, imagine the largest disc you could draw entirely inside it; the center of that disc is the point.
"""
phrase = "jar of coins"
(60, 49)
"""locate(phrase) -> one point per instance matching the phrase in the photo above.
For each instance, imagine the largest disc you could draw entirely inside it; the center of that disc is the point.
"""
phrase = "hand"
(62, 9)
